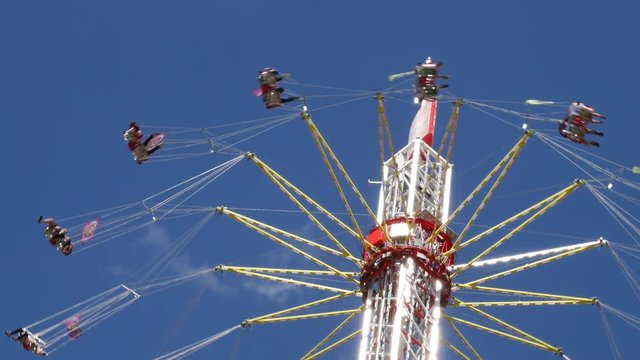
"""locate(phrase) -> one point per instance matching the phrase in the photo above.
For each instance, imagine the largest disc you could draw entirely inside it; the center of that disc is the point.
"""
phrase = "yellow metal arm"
(518, 292)
(492, 189)
(329, 336)
(301, 307)
(455, 349)
(537, 263)
(383, 127)
(464, 340)
(280, 180)
(301, 317)
(249, 224)
(506, 222)
(284, 280)
(564, 193)
(287, 271)
(253, 224)
(484, 181)
(334, 345)
(511, 327)
(323, 143)
(555, 350)
(270, 173)
(526, 303)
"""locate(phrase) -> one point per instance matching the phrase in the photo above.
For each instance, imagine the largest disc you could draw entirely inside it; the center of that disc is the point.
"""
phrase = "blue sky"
(74, 73)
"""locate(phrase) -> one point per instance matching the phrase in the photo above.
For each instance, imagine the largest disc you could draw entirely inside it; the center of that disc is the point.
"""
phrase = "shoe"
(40, 219)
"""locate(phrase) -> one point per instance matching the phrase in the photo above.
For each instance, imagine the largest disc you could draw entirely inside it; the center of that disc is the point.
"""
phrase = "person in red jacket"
(142, 150)
(584, 112)
(576, 133)
(270, 90)
(427, 73)
(268, 79)
(426, 87)
(574, 125)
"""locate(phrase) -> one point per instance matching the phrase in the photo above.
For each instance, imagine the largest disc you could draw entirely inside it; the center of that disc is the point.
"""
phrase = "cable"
(191, 348)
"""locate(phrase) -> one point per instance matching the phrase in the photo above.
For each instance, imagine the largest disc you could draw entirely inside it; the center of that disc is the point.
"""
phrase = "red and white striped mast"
(405, 282)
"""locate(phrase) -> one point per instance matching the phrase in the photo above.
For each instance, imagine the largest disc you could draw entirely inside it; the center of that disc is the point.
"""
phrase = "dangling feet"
(289, 99)
(40, 219)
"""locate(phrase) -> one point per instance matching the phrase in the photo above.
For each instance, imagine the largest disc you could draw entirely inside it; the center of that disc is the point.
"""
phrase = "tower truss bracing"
(405, 282)
(415, 184)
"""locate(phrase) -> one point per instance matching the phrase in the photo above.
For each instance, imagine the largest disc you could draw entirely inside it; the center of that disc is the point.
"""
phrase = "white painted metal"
(416, 184)
(402, 308)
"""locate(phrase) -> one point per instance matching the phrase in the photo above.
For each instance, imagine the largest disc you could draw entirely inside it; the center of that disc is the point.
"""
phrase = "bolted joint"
(245, 324)
(580, 182)
(529, 133)
(595, 301)
(249, 155)
(603, 241)
(220, 210)
(458, 102)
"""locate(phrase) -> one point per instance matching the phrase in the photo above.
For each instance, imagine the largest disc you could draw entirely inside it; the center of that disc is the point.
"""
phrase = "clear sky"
(73, 74)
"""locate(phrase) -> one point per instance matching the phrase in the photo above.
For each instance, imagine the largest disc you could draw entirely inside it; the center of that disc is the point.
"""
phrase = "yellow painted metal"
(289, 246)
(286, 281)
(383, 124)
(302, 307)
(518, 292)
(281, 180)
(270, 174)
(385, 121)
(535, 263)
(482, 183)
(381, 134)
(511, 327)
(536, 215)
(525, 303)
(451, 129)
(334, 345)
(508, 221)
(382, 114)
(329, 336)
(304, 317)
(464, 340)
(503, 334)
(318, 136)
(492, 189)
(455, 349)
(288, 271)
(295, 237)
(334, 178)
(453, 119)
(455, 115)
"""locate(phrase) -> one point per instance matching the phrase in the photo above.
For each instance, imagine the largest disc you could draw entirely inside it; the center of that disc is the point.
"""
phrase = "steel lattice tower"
(405, 282)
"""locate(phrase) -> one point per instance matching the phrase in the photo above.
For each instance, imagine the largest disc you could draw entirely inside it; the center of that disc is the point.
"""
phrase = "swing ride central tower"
(405, 282)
